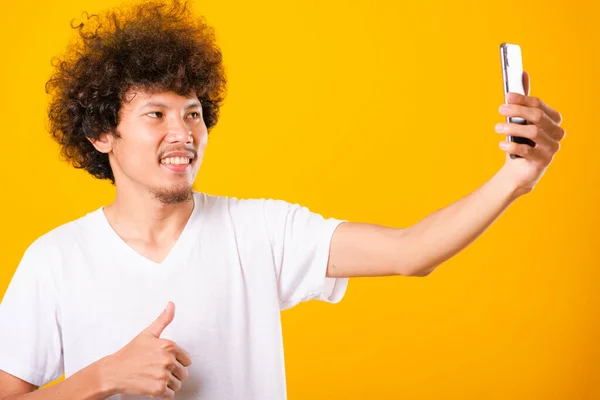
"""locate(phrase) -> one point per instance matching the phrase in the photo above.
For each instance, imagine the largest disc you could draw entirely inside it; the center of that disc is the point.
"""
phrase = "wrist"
(506, 186)
(106, 379)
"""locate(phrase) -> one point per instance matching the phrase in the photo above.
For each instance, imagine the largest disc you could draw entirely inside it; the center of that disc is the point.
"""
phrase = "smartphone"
(512, 76)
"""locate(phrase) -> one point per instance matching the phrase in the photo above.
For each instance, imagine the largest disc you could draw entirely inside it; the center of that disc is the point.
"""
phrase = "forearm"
(446, 232)
(90, 383)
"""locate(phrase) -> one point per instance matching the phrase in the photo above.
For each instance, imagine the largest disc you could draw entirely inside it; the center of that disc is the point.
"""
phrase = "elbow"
(422, 272)
(405, 270)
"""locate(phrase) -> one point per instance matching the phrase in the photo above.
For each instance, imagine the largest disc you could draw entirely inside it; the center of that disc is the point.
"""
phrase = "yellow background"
(383, 112)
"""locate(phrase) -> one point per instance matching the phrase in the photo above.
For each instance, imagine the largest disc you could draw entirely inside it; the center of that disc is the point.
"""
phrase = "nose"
(179, 131)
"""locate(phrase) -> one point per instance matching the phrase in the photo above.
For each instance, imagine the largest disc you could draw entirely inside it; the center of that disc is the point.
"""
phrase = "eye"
(195, 113)
(159, 114)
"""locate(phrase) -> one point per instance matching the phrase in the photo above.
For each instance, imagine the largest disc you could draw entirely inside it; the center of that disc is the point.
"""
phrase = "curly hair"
(153, 46)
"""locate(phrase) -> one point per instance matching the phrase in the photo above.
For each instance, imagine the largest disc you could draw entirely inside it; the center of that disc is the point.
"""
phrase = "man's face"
(161, 144)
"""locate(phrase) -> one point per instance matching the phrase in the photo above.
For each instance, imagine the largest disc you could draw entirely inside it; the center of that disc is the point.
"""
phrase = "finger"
(169, 394)
(532, 132)
(538, 119)
(523, 150)
(173, 383)
(182, 356)
(534, 102)
(180, 371)
(532, 115)
(163, 320)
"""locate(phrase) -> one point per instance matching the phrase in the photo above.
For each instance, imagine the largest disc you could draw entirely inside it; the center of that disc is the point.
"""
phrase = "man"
(133, 103)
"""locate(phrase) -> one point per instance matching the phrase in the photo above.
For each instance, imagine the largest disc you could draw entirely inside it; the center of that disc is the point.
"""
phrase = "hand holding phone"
(512, 74)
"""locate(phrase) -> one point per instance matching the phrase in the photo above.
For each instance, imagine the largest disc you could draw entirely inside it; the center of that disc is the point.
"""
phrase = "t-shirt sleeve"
(300, 241)
(30, 335)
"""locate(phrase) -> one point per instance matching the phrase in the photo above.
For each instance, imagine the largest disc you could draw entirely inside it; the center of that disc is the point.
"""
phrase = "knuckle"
(536, 102)
(162, 376)
(563, 133)
(511, 128)
(537, 116)
(158, 389)
(525, 150)
(176, 385)
(167, 361)
(535, 131)
(184, 374)
(168, 344)
(528, 149)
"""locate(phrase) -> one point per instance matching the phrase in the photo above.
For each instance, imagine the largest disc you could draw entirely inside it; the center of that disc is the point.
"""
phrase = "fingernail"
(499, 127)
(503, 145)
(503, 108)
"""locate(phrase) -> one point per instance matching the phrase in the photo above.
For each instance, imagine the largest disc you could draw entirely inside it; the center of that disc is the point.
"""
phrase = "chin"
(173, 194)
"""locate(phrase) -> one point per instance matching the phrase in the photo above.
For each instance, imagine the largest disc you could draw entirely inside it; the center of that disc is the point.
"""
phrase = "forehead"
(137, 98)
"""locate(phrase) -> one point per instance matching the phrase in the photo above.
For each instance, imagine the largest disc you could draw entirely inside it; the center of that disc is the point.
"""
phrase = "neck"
(137, 214)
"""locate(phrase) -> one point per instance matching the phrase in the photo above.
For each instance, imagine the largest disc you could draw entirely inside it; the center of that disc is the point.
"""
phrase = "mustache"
(189, 149)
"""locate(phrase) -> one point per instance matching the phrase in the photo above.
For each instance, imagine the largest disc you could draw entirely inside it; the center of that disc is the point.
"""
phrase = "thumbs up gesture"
(151, 366)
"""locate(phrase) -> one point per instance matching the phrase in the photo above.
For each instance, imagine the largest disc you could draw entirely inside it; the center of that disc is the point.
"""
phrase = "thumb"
(163, 320)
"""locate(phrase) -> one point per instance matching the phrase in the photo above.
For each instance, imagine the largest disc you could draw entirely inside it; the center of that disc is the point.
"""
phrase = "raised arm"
(359, 249)
(372, 250)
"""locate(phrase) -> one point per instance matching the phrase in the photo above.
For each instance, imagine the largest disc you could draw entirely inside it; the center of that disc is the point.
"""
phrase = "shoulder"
(211, 200)
(241, 205)
(52, 243)
(260, 212)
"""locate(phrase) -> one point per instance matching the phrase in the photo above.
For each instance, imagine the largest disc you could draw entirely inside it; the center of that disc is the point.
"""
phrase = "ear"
(103, 143)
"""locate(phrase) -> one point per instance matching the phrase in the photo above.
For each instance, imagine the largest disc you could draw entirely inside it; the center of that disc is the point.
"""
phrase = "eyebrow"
(161, 105)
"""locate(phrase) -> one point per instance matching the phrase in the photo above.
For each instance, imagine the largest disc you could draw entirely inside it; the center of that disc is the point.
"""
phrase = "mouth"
(176, 160)
(177, 163)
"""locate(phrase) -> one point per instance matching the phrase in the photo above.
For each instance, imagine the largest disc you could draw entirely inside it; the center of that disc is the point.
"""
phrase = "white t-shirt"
(81, 293)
